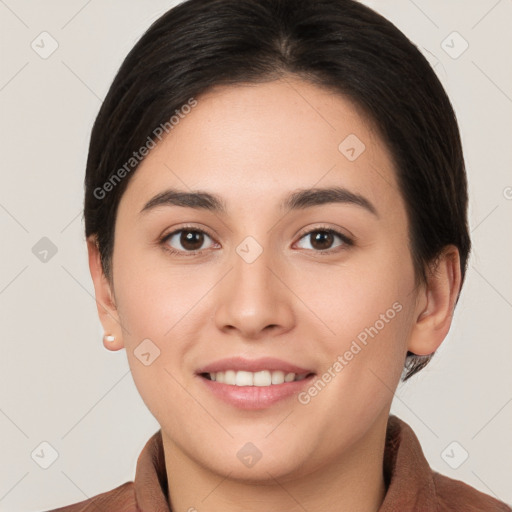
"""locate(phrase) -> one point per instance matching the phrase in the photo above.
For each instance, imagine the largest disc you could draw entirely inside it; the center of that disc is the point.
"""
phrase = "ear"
(105, 301)
(436, 302)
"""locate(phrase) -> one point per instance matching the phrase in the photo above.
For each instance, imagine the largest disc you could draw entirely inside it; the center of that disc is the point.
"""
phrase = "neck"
(353, 481)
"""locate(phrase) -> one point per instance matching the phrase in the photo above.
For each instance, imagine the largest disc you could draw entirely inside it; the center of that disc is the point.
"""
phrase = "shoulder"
(456, 495)
(120, 499)
(414, 485)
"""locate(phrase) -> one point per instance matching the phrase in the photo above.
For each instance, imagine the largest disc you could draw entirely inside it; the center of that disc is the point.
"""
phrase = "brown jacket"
(411, 484)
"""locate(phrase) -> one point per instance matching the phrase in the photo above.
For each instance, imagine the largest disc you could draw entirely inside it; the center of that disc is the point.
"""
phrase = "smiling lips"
(261, 378)
(266, 371)
(253, 384)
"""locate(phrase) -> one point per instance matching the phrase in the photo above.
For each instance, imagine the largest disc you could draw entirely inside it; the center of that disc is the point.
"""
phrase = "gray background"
(57, 382)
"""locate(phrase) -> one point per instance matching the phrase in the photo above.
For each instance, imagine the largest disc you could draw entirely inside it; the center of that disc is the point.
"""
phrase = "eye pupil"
(322, 237)
(192, 240)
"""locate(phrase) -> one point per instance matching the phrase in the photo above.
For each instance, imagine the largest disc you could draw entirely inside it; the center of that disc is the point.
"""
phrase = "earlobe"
(436, 303)
(110, 342)
(105, 301)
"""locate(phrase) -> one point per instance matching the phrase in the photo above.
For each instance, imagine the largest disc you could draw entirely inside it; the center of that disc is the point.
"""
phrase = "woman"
(275, 213)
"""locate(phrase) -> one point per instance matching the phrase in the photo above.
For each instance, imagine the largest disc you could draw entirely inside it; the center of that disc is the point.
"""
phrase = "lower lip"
(255, 397)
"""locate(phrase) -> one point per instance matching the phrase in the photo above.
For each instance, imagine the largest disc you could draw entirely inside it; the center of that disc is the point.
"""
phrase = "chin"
(265, 471)
(248, 458)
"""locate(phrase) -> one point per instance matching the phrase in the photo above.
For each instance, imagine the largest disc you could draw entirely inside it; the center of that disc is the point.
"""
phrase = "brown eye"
(187, 240)
(323, 239)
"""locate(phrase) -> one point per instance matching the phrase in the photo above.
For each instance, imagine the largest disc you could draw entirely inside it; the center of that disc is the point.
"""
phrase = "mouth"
(254, 384)
(261, 378)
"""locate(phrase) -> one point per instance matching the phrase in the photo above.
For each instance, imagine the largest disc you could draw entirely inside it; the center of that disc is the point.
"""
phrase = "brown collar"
(411, 484)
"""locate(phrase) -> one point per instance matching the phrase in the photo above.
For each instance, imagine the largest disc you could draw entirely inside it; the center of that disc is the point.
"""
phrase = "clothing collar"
(407, 474)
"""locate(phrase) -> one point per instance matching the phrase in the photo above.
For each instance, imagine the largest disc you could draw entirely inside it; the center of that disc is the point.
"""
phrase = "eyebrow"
(298, 200)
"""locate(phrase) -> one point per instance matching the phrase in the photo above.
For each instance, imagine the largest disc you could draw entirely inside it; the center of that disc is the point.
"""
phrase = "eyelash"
(347, 242)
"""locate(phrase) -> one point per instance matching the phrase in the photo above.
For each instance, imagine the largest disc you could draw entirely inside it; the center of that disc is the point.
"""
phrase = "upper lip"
(252, 365)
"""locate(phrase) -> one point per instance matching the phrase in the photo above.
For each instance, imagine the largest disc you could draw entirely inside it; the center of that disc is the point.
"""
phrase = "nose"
(253, 299)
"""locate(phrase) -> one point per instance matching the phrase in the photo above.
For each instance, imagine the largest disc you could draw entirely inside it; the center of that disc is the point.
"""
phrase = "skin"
(252, 145)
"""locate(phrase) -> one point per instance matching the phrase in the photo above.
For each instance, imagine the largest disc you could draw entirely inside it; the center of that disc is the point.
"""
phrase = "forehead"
(254, 142)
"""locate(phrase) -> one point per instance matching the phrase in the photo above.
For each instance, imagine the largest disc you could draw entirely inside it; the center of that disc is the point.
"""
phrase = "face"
(316, 295)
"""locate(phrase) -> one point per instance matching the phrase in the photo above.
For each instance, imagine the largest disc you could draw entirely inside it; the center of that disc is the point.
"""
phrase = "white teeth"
(289, 377)
(277, 377)
(242, 379)
(229, 377)
(261, 378)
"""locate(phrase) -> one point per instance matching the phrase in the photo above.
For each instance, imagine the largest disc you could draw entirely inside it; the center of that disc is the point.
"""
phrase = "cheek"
(369, 348)
(373, 354)
(361, 371)
(160, 308)
(368, 307)
(359, 296)
(153, 297)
